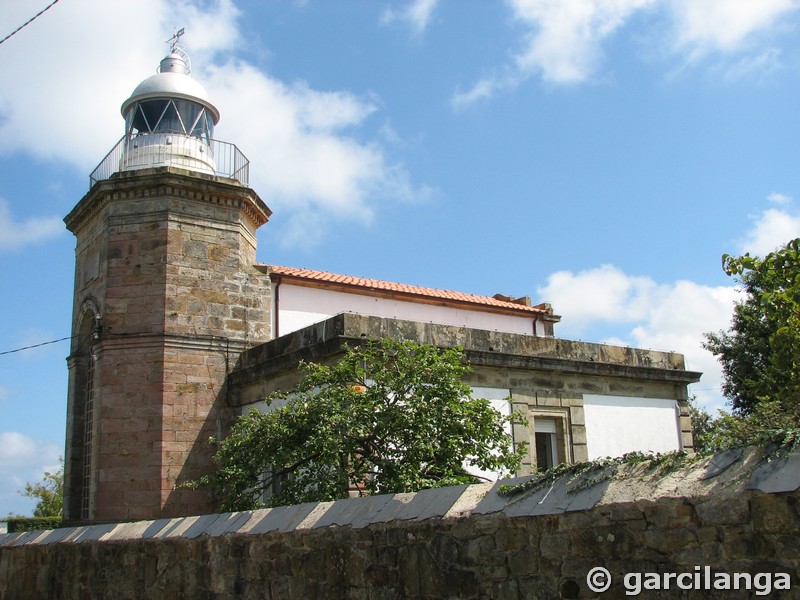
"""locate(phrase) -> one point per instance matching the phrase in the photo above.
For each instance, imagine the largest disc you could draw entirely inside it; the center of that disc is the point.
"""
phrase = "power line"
(38, 345)
(29, 21)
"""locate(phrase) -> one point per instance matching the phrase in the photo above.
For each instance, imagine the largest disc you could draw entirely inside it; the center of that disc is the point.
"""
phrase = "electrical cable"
(31, 20)
(38, 345)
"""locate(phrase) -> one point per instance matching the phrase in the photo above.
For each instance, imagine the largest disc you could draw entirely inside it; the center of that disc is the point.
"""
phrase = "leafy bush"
(391, 416)
(18, 524)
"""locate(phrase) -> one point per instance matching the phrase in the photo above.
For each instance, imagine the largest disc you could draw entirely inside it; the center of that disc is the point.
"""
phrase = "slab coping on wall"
(733, 471)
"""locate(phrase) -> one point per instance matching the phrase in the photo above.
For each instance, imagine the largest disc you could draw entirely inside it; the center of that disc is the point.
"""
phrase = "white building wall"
(616, 425)
(499, 398)
(300, 306)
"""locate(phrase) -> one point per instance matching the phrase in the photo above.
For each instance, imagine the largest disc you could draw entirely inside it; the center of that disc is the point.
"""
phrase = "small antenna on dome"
(173, 41)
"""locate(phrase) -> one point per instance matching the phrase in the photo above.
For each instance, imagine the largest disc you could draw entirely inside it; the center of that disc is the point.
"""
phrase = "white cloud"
(779, 198)
(17, 234)
(703, 26)
(71, 71)
(211, 27)
(307, 149)
(565, 44)
(773, 228)
(25, 456)
(416, 14)
(300, 142)
(486, 88)
(23, 459)
(645, 314)
(760, 64)
(605, 293)
(564, 40)
(677, 320)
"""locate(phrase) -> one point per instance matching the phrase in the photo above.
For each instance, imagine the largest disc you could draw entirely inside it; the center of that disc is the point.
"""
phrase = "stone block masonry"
(166, 296)
(710, 519)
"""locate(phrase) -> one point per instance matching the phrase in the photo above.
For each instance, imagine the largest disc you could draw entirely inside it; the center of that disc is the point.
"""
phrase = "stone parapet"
(733, 513)
(354, 327)
(278, 358)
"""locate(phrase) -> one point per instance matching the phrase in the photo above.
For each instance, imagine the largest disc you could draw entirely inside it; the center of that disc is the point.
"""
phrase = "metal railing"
(176, 150)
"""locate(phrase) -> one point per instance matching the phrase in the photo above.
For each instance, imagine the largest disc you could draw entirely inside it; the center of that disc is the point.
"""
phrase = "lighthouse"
(169, 119)
(166, 296)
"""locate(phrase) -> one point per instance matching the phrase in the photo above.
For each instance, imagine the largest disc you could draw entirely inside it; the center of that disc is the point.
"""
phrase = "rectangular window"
(546, 445)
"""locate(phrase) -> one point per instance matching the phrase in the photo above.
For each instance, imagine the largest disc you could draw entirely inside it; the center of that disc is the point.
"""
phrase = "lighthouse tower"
(169, 119)
(166, 297)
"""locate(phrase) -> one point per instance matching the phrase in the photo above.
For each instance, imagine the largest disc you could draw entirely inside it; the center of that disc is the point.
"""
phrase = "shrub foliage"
(391, 416)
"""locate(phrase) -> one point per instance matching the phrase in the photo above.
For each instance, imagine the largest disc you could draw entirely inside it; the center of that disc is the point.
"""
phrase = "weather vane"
(173, 41)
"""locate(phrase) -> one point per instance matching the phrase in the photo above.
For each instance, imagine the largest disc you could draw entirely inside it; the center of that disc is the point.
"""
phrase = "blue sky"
(600, 155)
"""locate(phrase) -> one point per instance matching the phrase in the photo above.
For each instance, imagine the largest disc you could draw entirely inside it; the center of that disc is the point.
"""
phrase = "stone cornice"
(164, 339)
(167, 182)
(323, 340)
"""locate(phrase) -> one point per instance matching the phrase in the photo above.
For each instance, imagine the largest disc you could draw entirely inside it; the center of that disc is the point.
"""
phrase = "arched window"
(81, 418)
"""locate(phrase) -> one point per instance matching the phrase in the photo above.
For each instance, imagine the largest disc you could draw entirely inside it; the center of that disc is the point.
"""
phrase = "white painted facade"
(499, 399)
(616, 425)
(301, 306)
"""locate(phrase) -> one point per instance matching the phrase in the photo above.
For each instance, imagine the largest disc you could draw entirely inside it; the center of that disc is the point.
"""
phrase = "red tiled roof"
(413, 293)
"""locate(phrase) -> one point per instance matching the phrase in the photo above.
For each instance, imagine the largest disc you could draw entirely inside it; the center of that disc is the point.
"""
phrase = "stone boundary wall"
(734, 513)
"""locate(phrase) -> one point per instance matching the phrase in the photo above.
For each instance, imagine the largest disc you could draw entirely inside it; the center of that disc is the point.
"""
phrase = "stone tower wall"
(166, 259)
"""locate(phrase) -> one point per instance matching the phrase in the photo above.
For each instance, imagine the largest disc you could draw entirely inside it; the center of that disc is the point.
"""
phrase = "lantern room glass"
(168, 115)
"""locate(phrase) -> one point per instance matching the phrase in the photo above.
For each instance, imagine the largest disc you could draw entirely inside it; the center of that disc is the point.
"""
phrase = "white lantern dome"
(169, 120)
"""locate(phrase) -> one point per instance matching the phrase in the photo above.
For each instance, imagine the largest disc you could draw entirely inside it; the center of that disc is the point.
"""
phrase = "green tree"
(391, 416)
(49, 492)
(760, 354)
(702, 427)
(766, 424)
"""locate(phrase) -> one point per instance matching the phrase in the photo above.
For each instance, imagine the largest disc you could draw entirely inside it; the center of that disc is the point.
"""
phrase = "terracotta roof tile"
(375, 286)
